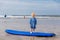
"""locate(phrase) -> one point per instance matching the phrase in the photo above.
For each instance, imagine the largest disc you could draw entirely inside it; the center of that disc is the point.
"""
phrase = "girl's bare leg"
(32, 30)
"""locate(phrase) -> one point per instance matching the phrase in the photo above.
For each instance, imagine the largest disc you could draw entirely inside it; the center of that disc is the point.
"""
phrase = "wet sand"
(43, 25)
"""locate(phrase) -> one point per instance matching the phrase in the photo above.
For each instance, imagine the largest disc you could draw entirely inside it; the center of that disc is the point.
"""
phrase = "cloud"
(26, 6)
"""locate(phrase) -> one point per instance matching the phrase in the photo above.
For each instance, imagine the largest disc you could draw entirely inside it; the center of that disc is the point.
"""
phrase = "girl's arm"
(35, 21)
(30, 21)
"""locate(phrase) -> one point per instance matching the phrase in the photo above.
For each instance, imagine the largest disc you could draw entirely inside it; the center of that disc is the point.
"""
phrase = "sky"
(26, 7)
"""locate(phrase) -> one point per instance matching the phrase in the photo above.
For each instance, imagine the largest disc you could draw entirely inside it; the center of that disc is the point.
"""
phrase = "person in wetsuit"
(5, 15)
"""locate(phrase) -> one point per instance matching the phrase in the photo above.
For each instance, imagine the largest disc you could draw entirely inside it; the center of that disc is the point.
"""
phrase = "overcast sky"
(26, 7)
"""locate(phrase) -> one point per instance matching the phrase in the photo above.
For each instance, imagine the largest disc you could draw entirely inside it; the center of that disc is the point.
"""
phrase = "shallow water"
(43, 25)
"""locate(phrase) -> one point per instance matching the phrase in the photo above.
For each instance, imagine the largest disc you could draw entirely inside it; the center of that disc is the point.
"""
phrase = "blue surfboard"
(25, 33)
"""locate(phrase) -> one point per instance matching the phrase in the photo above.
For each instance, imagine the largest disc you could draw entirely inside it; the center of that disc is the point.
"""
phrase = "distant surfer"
(5, 15)
(24, 17)
(33, 22)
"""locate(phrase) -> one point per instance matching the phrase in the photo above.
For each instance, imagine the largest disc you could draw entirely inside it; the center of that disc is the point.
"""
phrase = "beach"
(50, 25)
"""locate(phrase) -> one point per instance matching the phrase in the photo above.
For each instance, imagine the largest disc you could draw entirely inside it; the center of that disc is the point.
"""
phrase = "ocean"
(48, 24)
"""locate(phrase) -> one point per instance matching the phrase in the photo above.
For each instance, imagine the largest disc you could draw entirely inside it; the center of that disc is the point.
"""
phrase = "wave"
(27, 16)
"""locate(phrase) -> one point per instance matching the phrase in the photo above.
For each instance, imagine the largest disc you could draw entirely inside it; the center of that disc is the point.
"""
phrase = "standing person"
(5, 15)
(33, 22)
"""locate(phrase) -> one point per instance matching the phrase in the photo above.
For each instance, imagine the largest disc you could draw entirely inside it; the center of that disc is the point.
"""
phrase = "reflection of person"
(33, 22)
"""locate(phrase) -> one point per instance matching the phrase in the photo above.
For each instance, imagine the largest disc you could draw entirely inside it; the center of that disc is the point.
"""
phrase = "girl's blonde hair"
(33, 14)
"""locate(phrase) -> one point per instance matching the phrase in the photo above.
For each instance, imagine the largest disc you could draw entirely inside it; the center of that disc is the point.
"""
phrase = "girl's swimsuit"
(33, 23)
